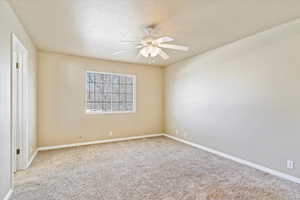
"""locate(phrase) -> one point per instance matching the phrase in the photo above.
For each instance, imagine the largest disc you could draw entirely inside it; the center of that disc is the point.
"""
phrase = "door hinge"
(17, 65)
(18, 151)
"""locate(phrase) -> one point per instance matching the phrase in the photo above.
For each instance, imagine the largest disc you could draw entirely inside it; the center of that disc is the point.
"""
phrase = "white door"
(19, 126)
(17, 98)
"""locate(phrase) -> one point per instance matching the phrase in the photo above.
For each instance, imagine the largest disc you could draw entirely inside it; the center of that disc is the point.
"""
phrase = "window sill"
(104, 113)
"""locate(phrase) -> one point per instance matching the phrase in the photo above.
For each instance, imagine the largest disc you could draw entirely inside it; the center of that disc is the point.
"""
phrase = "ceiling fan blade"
(125, 51)
(139, 46)
(130, 42)
(120, 52)
(164, 39)
(173, 46)
(163, 54)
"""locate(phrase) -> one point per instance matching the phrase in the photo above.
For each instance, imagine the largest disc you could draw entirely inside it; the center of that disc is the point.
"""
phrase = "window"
(109, 93)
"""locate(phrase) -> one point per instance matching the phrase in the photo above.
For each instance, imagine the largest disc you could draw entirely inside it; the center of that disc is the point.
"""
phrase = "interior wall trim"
(227, 156)
(89, 143)
(32, 158)
(8, 195)
(239, 160)
(98, 142)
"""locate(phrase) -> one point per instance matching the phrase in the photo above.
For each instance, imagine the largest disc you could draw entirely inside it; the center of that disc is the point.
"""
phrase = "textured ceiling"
(94, 28)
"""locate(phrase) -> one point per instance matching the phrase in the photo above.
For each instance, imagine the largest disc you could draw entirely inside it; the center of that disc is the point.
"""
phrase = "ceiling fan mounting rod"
(149, 29)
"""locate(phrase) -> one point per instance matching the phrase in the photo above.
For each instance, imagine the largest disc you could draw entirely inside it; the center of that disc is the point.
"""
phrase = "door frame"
(18, 48)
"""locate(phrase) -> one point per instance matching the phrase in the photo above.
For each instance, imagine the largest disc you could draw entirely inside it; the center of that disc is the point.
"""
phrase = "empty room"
(149, 100)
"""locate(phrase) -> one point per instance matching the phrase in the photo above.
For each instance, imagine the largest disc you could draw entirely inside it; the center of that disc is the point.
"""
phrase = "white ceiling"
(94, 28)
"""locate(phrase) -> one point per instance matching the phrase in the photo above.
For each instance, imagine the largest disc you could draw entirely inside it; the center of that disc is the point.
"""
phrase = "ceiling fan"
(151, 46)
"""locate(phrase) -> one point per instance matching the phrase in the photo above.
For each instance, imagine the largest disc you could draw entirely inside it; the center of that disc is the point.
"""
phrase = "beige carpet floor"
(147, 169)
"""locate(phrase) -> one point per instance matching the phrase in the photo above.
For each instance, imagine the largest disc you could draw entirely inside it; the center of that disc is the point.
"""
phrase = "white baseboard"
(239, 160)
(88, 143)
(32, 158)
(8, 195)
(98, 142)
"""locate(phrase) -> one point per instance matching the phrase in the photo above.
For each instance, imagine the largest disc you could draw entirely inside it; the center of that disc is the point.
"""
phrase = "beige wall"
(242, 99)
(10, 24)
(62, 117)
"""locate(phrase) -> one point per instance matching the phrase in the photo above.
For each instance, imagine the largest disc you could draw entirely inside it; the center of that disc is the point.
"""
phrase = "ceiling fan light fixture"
(145, 52)
(154, 51)
(150, 51)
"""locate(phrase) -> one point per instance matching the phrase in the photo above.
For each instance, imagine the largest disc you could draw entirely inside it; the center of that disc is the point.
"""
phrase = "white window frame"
(111, 112)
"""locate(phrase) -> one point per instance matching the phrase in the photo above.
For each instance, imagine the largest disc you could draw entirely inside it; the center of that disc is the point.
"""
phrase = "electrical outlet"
(176, 132)
(290, 164)
(110, 133)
